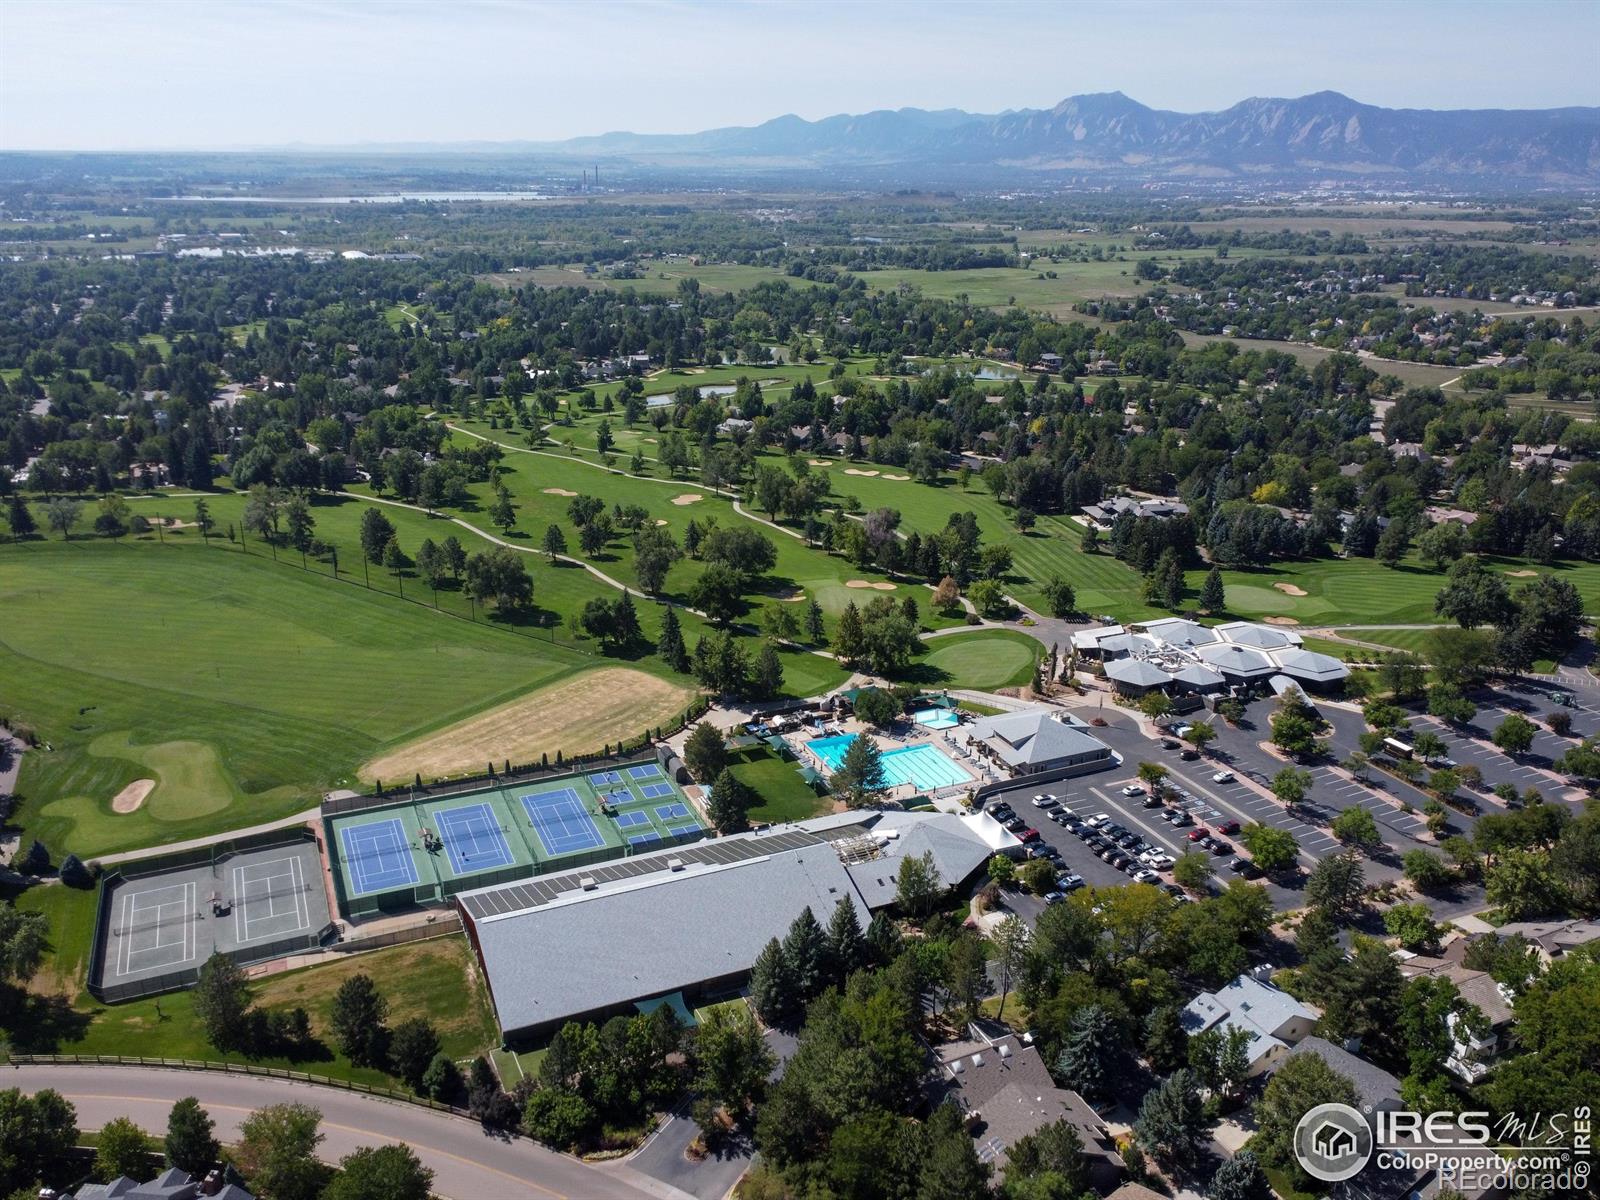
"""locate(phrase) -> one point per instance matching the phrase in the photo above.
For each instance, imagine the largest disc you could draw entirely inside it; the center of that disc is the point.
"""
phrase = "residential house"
(1274, 1019)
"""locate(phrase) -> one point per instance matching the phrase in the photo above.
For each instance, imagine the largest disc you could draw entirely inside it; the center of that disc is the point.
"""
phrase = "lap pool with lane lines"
(923, 767)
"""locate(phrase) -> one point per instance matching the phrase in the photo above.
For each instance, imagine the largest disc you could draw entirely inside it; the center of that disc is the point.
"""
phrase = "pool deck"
(919, 737)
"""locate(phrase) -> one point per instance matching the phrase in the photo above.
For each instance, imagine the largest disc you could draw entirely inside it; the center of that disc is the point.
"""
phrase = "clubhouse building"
(1183, 657)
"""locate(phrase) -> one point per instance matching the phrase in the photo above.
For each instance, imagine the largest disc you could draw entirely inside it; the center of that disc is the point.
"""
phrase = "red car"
(1198, 832)
(1228, 827)
(1029, 835)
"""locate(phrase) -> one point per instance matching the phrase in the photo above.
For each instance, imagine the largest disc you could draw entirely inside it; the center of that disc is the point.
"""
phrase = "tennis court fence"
(447, 923)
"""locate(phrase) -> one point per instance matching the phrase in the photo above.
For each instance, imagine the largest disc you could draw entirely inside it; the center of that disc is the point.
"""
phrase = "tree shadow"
(41, 1024)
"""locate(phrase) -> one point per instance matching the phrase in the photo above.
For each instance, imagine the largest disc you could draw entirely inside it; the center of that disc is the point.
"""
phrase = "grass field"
(784, 795)
(983, 660)
(660, 276)
(437, 980)
(581, 714)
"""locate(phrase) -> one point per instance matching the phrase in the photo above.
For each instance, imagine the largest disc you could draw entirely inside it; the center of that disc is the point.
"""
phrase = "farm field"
(437, 980)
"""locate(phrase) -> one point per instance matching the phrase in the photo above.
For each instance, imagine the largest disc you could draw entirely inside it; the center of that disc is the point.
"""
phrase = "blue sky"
(221, 73)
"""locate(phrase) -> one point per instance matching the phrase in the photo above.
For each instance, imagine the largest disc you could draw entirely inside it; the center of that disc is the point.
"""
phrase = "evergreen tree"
(816, 631)
(220, 1000)
(883, 939)
(859, 777)
(19, 517)
(392, 1172)
(805, 949)
(411, 1051)
(772, 984)
(670, 644)
(847, 950)
(357, 1021)
(1212, 596)
(1240, 1178)
(1091, 1049)
(731, 802)
(190, 1143)
(555, 542)
(1171, 1122)
(850, 639)
(766, 679)
(625, 629)
(950, 1168)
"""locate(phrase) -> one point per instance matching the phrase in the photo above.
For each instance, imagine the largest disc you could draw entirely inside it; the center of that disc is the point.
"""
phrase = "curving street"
(467, 1163)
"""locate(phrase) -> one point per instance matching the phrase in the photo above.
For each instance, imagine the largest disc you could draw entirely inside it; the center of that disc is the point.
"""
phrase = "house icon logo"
(1333, 1142)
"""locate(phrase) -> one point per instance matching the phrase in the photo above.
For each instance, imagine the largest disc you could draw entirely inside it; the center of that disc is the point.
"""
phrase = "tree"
(1301, 1083)
(20, 518)
(1213, 599)
(670, 644)
(377, 531)
(1523, 886)
(1473, 595)
(1291, 785)
(557, 1117)
(1336, 884)
(1200, 734)
(37, 1134)
(555, 542)
(277, 1152)
(859, 777)
(1515, 734)
(1010, 940)
(1393, 543)
(391, 1172)
(1060, 596)
(730, 804)
(1240, 1178)
(919, 886)
(1038, 876)
(947, 596)
(1356, 826)
(1412, 924)
(499, 575)
(772, 991)
(411, 1051)
(1091, 1052)
(63, 515)
(716, 593)
(220, 1000)
(1220, 1056)
(847, 949)
(191, 1144)
(1047, 1164)
(122, 1149)
(1192, 871)
(705, 752)
(876, 707)
(1273, 849)
(732, 1059)
(1171, 1122)
(74, 874)
(1426, 870)
(357, 1021)
(766, 678)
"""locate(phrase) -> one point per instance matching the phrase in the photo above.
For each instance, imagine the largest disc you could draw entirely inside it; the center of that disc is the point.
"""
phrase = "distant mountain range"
(1323, 135)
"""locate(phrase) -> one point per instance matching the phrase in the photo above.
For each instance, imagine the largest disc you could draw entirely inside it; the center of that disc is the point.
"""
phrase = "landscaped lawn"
(784, 795)
(436, 979)
(985, 659)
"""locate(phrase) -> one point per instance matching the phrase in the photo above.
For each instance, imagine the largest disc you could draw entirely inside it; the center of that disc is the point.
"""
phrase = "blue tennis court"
(644, 839)
(646, 771)
(680, 830)
(605, 777)
(472, 838)
(562, 823)
(672, 812)
(654, 791)
(616, 798)
(377, 856)
(628, 820)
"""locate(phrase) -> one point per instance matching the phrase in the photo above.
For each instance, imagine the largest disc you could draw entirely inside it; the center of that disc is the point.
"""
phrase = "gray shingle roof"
(1261, 637)
(1035, 737)
(957, 852)
(1231, 659)
(1137, 672)
(1308, 664)
(1375, 1086)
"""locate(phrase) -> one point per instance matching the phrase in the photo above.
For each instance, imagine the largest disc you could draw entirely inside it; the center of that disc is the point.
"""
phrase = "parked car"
(1243, 866)
(1069, 883)
(1222, 777)
(1146, 875)
(1046, 850)
(1054, 897)
(1179, 818)
(1228, 827)
(998, 809)
(1060, 818)
(1133, 789)
(1128, 839)
(1016, 825)
(1189, 754)
(1044, 801)
(1029, 835)
(1198, 832)
(1218, 846)
(1168, 744)
(1204, 843)
(1119, 860)
(1098, 820)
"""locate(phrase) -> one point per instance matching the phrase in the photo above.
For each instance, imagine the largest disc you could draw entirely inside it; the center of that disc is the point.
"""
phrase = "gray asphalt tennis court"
(251, 905)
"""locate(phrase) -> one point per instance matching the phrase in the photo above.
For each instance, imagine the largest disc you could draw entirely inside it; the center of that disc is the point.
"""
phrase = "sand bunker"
(1280, 621)
(853, 471)
(558, 492)
(1290, 589)
(687, 498)
(131, 797)
(867, 583)
(817, 462)
(661, 520)
(788, 596)
(1522, 574)
(897, 477)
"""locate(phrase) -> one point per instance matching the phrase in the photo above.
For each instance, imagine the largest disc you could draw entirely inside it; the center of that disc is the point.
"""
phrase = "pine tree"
(771, 984)
(1091, 1050)
(847, 950)
(555, 542)
(767, 677)
(190, 1145)
(670, 644)
(1240, 1178)
(19, 517)
(883, 939)
(1172, 1119)
(1212, 596)
(850, 640)
(805, 949)
(220, 1000)
(816, 631)
(625, 630)
(731, 801)
(357, 1020)
(859, 777)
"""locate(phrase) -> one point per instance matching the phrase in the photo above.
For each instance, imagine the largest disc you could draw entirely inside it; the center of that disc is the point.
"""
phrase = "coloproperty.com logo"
(1469, 1151)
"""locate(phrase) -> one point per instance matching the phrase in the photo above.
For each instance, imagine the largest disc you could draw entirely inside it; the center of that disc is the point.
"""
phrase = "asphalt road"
(467, 1163)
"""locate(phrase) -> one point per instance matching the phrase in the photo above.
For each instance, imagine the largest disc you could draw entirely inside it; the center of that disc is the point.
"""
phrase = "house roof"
(1246, 1003)
(1128, 643)
(1135, 1191)
(957, 847)
(1090, 639)
(1261, 637)
(1308, 664)
(1176, 631)
(1236, 660)
(1137, 672)
(1554, 937)
(1197, 676)
(1375, 1086)
(1034, 737)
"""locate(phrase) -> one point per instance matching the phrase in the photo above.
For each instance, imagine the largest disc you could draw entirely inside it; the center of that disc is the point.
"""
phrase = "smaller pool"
(923, 767)
(936, 718)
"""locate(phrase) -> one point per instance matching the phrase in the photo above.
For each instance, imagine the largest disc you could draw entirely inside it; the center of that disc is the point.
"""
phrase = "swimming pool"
(923, 767)
(936, 718)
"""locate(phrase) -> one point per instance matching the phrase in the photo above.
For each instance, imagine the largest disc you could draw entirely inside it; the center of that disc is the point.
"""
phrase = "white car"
(1222, 777)
(1098, 820)
(1044, 801)
(1133, 789)
(1146, 876)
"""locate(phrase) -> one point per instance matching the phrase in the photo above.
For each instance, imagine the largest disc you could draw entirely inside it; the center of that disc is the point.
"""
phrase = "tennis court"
(672, 812)
(250, 905)
(644, 839)
(377, 856)
(654, 791)
(605, 778)
(561, 822)
(473, 838)
(627, 820)
(645, 771)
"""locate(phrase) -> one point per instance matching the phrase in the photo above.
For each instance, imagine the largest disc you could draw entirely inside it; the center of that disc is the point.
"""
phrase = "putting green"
(986, 660)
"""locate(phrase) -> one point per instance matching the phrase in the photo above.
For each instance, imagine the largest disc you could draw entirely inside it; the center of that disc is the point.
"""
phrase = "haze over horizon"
(81, 75)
